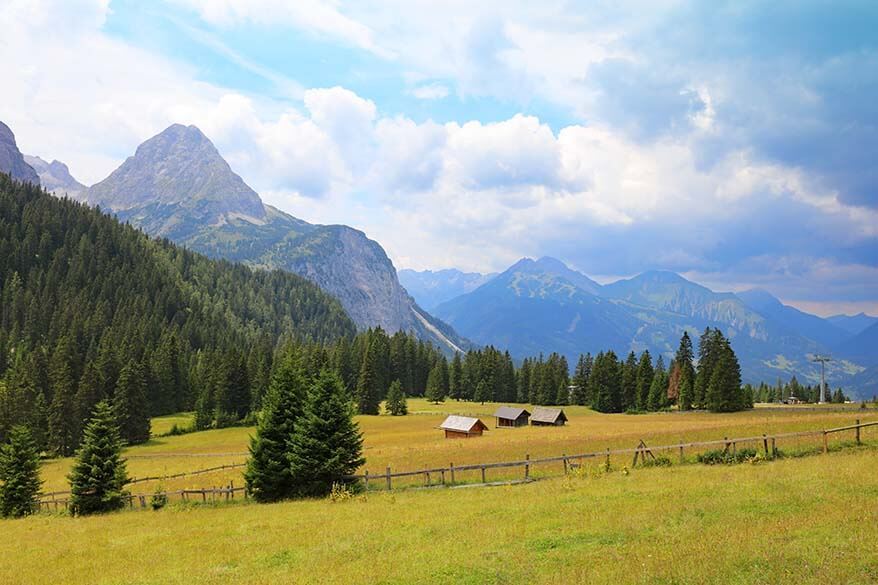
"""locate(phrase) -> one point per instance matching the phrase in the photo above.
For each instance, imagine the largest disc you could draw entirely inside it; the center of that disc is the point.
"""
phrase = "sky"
(733, 142)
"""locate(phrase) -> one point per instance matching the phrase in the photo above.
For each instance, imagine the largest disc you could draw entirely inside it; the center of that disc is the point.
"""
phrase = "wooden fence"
(440, 476)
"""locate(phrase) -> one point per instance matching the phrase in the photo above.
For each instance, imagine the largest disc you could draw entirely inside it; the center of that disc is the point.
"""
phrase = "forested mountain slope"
(84, 296)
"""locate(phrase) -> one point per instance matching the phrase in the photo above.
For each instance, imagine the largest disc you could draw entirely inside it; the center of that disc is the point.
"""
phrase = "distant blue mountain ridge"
(541, 306)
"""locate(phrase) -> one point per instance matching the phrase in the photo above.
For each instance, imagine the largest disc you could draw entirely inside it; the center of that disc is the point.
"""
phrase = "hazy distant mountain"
(538, 306)
(55, 177)
(862, 348)
(530, 308)
(177, 185)
(853, 324)
(12, 161)
(805, 324)
(432, 288)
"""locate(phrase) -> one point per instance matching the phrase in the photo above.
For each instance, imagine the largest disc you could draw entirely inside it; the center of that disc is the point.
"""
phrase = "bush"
(724, 457)
(660, 461)
(178, 430)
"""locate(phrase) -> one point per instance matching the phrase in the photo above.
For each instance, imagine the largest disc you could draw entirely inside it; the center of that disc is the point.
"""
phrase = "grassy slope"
(412, 442)
(811, 520)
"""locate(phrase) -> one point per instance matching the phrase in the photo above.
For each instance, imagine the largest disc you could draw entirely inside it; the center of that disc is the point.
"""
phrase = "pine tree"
(659, 387)
(606, 383)
(645, 374)
(724, 393)
(62, 415)
(629, 382)
(326, 443)
(482, 394)
(396, 403)
(435, 393)
(130, 404)
(268, 477)
(98, 474)
(368, 390)
(580, 380)
(685, 382)
(19, 474)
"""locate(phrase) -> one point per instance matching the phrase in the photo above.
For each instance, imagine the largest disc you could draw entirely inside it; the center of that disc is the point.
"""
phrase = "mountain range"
(544, 306)
(177, 185)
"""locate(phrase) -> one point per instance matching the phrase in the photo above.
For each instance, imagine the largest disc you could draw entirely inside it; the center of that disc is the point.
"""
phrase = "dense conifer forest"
(93, 309)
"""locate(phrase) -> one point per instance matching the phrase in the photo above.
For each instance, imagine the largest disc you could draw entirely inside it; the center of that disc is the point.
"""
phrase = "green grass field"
(805, 520)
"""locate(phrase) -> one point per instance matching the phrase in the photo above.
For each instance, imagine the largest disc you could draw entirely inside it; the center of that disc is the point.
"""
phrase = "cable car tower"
(822, 359)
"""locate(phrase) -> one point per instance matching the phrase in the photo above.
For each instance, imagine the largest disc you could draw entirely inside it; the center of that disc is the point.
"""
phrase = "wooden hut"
(462, 427)
(508, 416)
(548, 417)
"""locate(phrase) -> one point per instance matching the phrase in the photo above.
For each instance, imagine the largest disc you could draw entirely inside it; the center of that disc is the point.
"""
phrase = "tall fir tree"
(368, 384)
(659, 387)
(580, 380)
(435, 392)
(606, 383)
(724, 393)
(326, 444)
(130, 404)
(455, 377)
(98, 475)
(268, 476)
(645, 374)
(685, 379)
(629, 382)
(19, 474)
(62, 413)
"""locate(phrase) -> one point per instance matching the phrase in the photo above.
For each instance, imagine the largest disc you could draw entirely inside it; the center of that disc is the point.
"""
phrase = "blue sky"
(731, 141)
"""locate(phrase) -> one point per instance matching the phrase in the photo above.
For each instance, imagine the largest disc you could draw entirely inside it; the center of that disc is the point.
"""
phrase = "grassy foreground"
(808, 520)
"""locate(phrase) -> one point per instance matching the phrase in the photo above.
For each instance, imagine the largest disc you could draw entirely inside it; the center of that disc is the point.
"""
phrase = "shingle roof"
(463, 424)
(547, 415)
(510, 412)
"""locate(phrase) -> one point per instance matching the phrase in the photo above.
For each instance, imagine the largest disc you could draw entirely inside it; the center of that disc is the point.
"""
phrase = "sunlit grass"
(809, 520)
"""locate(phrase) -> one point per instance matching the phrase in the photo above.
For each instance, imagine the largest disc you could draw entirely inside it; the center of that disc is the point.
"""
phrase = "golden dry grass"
(413, 442)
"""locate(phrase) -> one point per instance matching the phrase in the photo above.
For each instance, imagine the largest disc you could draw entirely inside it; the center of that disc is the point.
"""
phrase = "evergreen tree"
(19, 474)
(98, 474)
(62, 415)
(629, 382)
(455, 377)
(659, 387)
(483, 394)
(685, 379)
(708, 354)
(396, 403)
(606, 383)
(724, 393)
(368, 389)
(130, 404)
(435, 392)
(645, 375)
(326, 443)
(268, 476)
(580, 380)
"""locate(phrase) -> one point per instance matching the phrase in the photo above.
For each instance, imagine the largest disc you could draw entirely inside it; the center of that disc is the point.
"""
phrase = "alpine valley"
(544, 306)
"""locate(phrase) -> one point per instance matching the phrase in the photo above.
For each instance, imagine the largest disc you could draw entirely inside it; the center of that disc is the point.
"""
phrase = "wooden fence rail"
(569, 461)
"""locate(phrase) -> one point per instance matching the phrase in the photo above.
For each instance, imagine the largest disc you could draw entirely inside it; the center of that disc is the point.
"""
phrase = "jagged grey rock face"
(12, 161)
(176, 182)
(178, 186)
(55, 177)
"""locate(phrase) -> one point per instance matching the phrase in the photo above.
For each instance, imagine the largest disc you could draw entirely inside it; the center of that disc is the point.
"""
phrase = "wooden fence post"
(527, 466)
(389, 486)
(765, 444)
(608, 458)
(681, 454)
(451, 467)
(773, 448)
(564, 455)
(483, 474)
(858, 432)
(442, 476)
(366, 479)
(142, 501)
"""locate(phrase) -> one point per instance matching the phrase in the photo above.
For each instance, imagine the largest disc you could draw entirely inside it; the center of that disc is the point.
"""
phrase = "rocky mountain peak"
(12, 161)
(55, 177)
(175, 182)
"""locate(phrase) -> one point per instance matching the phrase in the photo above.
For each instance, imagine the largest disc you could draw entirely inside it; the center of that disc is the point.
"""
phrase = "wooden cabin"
(462, 427)
(548, 417)
(507, 416)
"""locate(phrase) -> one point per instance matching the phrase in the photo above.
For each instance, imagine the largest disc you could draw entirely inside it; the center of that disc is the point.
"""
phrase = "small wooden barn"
(462, 427)
(507, 416)
(548, 417)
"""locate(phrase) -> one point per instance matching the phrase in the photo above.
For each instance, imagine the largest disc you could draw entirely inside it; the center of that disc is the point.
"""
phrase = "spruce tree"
(62, 415)
(268, 476)
(659, 387)
(326, 443)
(98, 475)
(19, 474)
(606, 383)
(435, 393)
(130, 404)
(368, 384)
(645, 374)
(580, 381)
(685, 383)
(396, 403)
(724, 393)
(629, 382)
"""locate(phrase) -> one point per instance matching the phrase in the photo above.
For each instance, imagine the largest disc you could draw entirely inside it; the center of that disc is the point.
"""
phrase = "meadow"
(802, 520)
(414, 442)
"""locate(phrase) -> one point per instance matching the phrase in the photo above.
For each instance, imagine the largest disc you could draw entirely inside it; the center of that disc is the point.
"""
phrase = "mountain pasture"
(413, 442)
